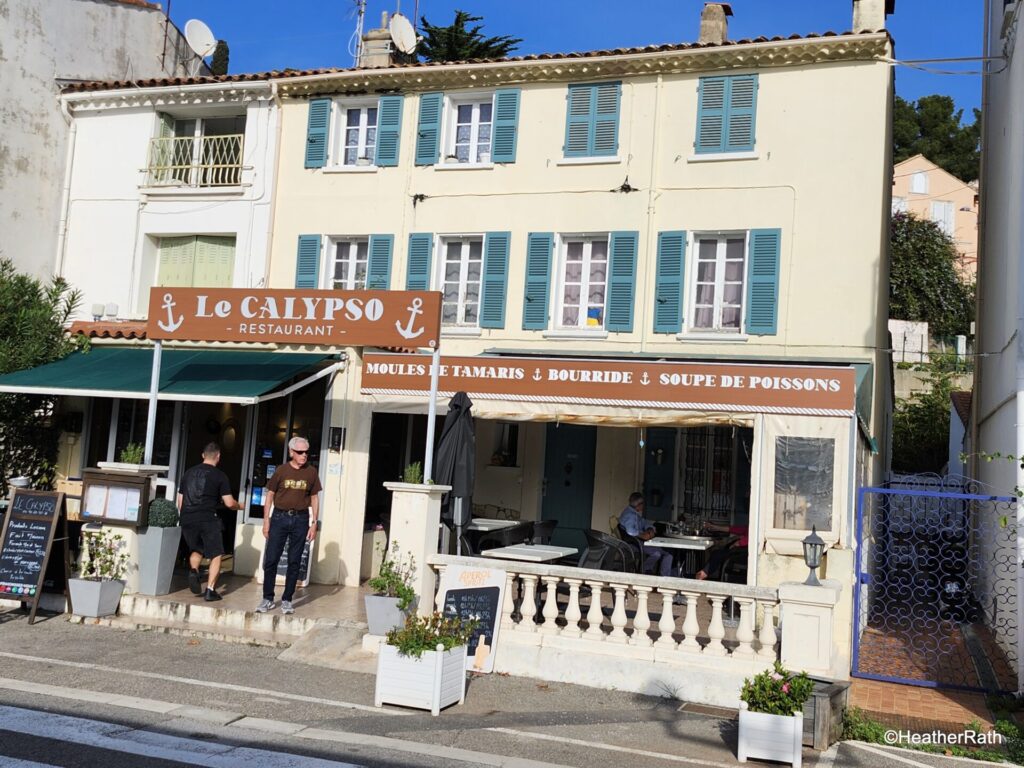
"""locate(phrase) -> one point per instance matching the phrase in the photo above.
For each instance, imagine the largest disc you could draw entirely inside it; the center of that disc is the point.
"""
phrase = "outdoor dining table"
(530, 553)
(484, 524)
(691, 545)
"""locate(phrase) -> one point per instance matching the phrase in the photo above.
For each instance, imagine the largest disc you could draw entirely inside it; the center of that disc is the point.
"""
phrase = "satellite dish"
(402, 33)
(199, 38)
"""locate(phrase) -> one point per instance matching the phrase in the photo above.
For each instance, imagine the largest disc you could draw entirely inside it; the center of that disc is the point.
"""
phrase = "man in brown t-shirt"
(291, 494)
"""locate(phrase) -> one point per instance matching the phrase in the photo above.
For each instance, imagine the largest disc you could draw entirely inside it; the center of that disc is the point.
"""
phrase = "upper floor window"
(942, 213)
(197, 152)
(198, 261)
(461, 269)
(350, 264)
(583, 282)
(919, 183)
(469, 132)
(719, 283)
(357, 139)
(899, 205)
(349, 132)
(592, 120)
(726, 114)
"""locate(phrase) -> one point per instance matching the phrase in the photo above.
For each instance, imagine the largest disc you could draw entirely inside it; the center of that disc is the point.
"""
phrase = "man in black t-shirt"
(204, 487)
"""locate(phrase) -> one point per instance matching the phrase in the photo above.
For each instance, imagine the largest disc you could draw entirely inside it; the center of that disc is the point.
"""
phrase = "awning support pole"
(154, 388)
(435, 372)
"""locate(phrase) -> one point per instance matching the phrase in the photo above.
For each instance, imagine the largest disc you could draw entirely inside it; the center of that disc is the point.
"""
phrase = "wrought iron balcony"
(206, 161)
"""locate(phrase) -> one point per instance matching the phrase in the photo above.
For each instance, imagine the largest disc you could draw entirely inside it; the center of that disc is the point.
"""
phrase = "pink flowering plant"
(777, 692)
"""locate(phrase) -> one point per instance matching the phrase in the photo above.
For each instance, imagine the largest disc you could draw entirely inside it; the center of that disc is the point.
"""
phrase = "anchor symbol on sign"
(171, 325)
(536, 374)
(645, 379)
(407, 332)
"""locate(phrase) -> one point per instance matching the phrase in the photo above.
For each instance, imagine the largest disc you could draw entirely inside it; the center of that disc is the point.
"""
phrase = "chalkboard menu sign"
(28, 533)
(475, 594)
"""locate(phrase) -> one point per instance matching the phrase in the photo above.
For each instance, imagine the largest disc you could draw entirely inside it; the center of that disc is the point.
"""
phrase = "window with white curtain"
(356, 138)
(719, 283)
(584, 281)
(461, 272)
(350, 258)
(469, 131)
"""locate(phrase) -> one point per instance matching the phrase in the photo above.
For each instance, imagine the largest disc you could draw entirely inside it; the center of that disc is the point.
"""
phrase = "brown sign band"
(689, 386)
(404, 319)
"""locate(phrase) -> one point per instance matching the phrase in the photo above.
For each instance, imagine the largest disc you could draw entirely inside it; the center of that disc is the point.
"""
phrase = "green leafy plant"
(425, 633)
(777, 692)
(860, 727)
(395, 578)
(1014, 740)
(131, 454)
(103, 557)
(413, 473)
(163, 513)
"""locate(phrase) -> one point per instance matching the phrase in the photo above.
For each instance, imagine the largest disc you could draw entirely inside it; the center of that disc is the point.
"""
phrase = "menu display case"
(117, 498)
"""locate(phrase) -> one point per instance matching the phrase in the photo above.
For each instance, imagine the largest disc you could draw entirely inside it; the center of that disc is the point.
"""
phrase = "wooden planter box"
(433, 681)
(770, 737)
(823, 714)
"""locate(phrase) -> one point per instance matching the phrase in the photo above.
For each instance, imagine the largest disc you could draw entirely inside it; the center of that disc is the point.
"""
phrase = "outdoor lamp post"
(814, 546)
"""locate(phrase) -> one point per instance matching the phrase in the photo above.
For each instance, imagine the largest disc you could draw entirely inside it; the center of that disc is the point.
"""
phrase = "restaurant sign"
(626, 383)
(404, 319)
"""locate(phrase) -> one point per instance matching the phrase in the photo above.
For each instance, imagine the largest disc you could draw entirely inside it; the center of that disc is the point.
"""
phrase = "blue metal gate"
(935, 600)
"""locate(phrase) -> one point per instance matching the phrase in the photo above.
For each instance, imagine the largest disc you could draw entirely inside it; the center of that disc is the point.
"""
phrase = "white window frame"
(691, 303)
(441, 248)
(899, 205)
(947, 221)
(919, 183)
(563, 253)
(450, 126)
(352, 241)
(339, 132)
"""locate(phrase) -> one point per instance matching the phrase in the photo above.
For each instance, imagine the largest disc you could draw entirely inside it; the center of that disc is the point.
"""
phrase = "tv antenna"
(402, 33)
(355, 43)
(200, 39)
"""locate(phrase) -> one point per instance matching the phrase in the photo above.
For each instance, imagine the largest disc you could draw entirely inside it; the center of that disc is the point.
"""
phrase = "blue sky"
(303, 34)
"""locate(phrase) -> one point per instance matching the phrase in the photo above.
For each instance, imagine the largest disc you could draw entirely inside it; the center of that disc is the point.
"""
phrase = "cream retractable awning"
(229, 376)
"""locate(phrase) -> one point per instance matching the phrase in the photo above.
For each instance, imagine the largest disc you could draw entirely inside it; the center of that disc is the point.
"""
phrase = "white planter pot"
(95, 598)
(433, 681)
(383, 614)
(770, 737)
(158, 548)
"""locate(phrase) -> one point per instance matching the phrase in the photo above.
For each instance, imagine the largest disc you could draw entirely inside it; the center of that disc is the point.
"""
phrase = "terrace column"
(415, 520)
(807, 615)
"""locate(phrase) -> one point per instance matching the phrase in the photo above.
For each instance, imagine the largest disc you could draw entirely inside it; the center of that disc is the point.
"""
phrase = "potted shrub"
(771, 716)
(158, 548)
(423, 664)
(394, 596)
(97, 588)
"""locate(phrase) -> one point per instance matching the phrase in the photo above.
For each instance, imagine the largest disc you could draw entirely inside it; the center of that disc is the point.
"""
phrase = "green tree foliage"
(923, 280)
(32, 318)
(920, 424)
(219, 65)
(931, 127)
(457, 42)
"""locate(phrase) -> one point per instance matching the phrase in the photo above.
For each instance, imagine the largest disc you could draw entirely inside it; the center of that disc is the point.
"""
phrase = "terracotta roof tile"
(140, 3)
(114, 329)
(962, 403)
(286, 73)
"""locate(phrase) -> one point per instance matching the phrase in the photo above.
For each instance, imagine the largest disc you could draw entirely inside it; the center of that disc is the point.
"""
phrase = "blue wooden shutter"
(417, 275)
(742, 109)
(428, 129)
(378, 262)
(668, 287)
(763, 281)
(578, 120)
(495, 280)
(318, 127)
(506, 125)
(389, 130)
(621, 282)
(307, 263)
(711, 115)
(539, 246)
(605, 124)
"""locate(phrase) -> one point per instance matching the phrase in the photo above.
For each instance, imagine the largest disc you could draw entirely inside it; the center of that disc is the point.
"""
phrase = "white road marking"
(205, 683)
(13, 762)
(93, 733)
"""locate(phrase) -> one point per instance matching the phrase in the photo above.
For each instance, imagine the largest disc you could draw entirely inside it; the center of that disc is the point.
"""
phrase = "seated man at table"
(631, 520)
(718, 557)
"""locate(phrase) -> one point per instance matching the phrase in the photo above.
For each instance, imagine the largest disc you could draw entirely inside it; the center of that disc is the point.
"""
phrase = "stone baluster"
(716, 629)
(508, 606)
(667, 623)
(766, 638)
(528, 608)
(439, 597)
(550, 613)
(572, 610)
(690, 626)
(745, 630)
(642, 620)
(594, 614)
(619, 618)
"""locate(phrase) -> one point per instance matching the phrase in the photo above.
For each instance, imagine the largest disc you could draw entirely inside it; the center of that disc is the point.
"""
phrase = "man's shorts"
(203, 534)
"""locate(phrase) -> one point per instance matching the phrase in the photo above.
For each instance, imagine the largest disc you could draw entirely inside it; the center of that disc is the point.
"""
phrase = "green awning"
(203, 375)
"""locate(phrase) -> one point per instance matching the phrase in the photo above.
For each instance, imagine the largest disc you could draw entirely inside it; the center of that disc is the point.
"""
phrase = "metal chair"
(542, 531)
(506, 537)
(623, 556)
(613, 524)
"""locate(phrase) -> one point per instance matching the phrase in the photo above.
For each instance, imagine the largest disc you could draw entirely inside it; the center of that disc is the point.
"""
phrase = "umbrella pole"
(458, 525)
(435, 372)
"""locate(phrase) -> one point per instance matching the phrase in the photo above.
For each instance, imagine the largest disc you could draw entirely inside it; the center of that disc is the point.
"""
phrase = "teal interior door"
(569, 482)
(659, 472)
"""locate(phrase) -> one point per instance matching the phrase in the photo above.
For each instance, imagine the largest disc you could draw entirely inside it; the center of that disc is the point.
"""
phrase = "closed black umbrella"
(456, 461)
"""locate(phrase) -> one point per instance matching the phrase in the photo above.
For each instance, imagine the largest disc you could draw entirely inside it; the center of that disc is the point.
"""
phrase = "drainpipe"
(272, 216)
(65, 203)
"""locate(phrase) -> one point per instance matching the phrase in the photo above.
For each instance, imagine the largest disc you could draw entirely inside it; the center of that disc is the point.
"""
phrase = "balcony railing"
(206, 161)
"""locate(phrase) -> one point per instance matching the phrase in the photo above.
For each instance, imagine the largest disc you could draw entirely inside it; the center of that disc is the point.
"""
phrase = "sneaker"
(265, 606)
(286, 607)
(193, 582)
(212, 595)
